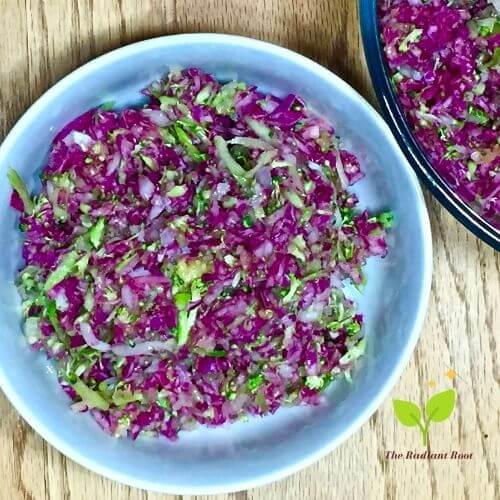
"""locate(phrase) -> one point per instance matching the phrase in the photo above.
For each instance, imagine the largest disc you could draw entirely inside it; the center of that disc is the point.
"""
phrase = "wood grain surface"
(41, 41)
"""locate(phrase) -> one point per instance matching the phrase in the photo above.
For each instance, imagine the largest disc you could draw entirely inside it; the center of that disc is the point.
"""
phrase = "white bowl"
(242, 455)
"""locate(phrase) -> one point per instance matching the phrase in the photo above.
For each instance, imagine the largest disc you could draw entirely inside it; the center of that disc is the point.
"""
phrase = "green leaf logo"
(406, 412)
(440, 406)
(437, 409)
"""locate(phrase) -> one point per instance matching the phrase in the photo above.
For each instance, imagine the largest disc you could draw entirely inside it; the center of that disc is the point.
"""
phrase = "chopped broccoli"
(96, 233)
(294, 286)
(413, 36)
(185, 321)
(90, 397)
(64, 269)
(255, 381)
(189, 270)
(18, 185)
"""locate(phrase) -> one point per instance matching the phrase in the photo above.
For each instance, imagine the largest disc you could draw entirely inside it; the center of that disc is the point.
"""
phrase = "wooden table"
(44, 40)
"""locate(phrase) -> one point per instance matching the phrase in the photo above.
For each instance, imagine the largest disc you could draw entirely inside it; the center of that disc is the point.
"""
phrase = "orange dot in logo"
(451, 373)
(432, 384)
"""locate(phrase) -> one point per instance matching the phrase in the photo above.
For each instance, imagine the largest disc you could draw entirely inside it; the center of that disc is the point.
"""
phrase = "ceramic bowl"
(401, 129)
(242, 455)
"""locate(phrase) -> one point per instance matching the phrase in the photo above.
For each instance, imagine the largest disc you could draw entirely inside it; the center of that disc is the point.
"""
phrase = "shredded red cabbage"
(445, 63)
(185, 261)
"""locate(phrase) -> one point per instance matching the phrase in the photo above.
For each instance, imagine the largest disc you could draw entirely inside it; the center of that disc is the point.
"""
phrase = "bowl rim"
(415, 154)
(74, 453)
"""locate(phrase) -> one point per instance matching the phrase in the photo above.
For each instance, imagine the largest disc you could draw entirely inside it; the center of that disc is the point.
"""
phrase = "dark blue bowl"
(394, 116)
